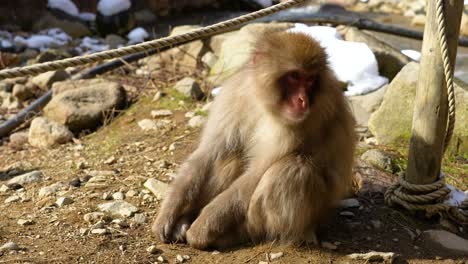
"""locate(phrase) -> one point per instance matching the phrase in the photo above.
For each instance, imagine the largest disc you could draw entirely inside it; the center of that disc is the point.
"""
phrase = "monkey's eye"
(294, 76)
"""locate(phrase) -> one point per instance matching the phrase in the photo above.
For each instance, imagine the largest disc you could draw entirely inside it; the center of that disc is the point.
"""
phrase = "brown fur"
(255, 175)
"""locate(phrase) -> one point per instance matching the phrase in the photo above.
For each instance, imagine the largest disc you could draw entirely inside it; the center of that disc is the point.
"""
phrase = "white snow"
(137, 35)
(265, 3)
(352, 62)
(456, 196)
(66, 6)
(112, 7)
(53, 37)
(85, 16)
(412, 54)
(6, 43)
(91, 45)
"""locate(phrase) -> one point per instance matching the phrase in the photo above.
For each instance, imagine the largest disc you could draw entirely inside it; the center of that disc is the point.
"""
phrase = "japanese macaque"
(275, 154)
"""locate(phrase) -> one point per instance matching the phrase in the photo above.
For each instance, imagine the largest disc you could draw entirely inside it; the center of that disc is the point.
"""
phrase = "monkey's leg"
(224, 215)
(287, 202)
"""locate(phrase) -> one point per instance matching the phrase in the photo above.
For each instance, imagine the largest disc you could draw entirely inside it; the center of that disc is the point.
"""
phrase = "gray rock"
(12, 199)
(44, 133)
(24, 92)
(45, 80)
(209, 59)
(189, 87)
(153, 250)
(118, 196)
(4, 188)
(19, 139)
(275, 256)
(99, 231)
(196, 121)
(347, 203)
(374, 256)
(62, 201)
(114, 41)
(158, 188)
(9, 246)
(62, 86)
(391, 123)
(139, 218)
(93, 217)
(188, 55)
(74, 28)
(390, 60)
(380, 159)
(364, 105)
(30, 177)
(86, 106)
(51, 189)
(121, 208)
(447, 240)
(147, 125)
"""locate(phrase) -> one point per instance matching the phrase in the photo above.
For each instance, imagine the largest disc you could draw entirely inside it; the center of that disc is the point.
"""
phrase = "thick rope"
(145, 46)
(430, 197)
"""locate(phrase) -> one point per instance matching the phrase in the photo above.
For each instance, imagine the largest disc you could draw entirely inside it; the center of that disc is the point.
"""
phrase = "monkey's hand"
(163, 226)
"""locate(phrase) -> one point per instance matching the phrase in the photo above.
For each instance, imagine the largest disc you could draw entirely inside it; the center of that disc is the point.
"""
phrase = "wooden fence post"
(430, 112)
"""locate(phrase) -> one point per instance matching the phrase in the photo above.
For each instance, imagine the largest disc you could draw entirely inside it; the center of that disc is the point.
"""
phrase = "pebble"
(147, 125)
(347, 213)
(161, 113)
(12, 199)
(179, 259)
(373, 256)
(196, 121)
(376, 224)
(99, 231)
(75, 182)
(118, 196)
(153, 250)
(122, 223)
(51, 189)
(62, 201)
(277, 255)
(122, 208)
(106, 196)
(329, 245)
(4, 188)
(93, 217)
(110, 160)
(139, 218)
(216, 252)
(347, 203)
(172, 147)
(9, 246)
(161, 259)
(25, 222)
(263, 262)
(131, 193)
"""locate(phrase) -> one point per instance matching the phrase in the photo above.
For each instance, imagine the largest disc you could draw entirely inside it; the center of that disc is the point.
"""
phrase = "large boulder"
(44, 133)
(391, 123)
(236, 49)
(87, 106)
(188, 55)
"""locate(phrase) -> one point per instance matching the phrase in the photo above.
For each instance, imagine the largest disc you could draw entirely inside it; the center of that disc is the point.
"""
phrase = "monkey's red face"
(297, 87)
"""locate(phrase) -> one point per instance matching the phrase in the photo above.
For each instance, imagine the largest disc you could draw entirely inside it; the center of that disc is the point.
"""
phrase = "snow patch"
(352, 62)
(137, 35)
(112, 7)
(5, 43)
(91, 45)
(46, 39)
(412, 54)
(456, 196)
(66, 6)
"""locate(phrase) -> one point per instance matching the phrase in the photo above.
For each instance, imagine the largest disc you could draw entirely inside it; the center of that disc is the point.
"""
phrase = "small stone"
(122, 208)
(131, 193)
(9, 246)
(99, 231)
(62, 201)
(172, 147)
(157, 96)
(161, 113)
(189, 87)
(51, 189)
(347, 203)
(274, 256)
(93, 217)
(139, 218)
(110, 160)
(347, 213)
(209, 59)
(373, 256)
(179, 259)
(118, 196)
(106, 196)
(329, 245)
(380, 159)
(395, 240)
(45, 80)
(190, 114)
(122, 223)
(25, 222)
(158, 188)
(45, 133)
(161, 259)
(216, 252)
(371, 141)
(19, 139)
(30, 177)
(196, 121)
(4, 188)
(153, 250)
(186, 257)
(12, 199)
(75, 182)
(147, 125)
(263, 262)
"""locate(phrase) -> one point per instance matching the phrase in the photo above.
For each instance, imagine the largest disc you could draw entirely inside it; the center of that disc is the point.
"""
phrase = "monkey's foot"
(311, 238)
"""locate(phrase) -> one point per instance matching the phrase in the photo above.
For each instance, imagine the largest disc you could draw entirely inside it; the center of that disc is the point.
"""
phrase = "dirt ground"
(128, 156)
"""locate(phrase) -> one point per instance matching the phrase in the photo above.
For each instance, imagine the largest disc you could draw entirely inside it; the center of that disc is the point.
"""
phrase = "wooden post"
(430, 113)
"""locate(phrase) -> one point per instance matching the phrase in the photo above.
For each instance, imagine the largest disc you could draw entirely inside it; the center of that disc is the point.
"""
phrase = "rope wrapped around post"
(431, 197)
